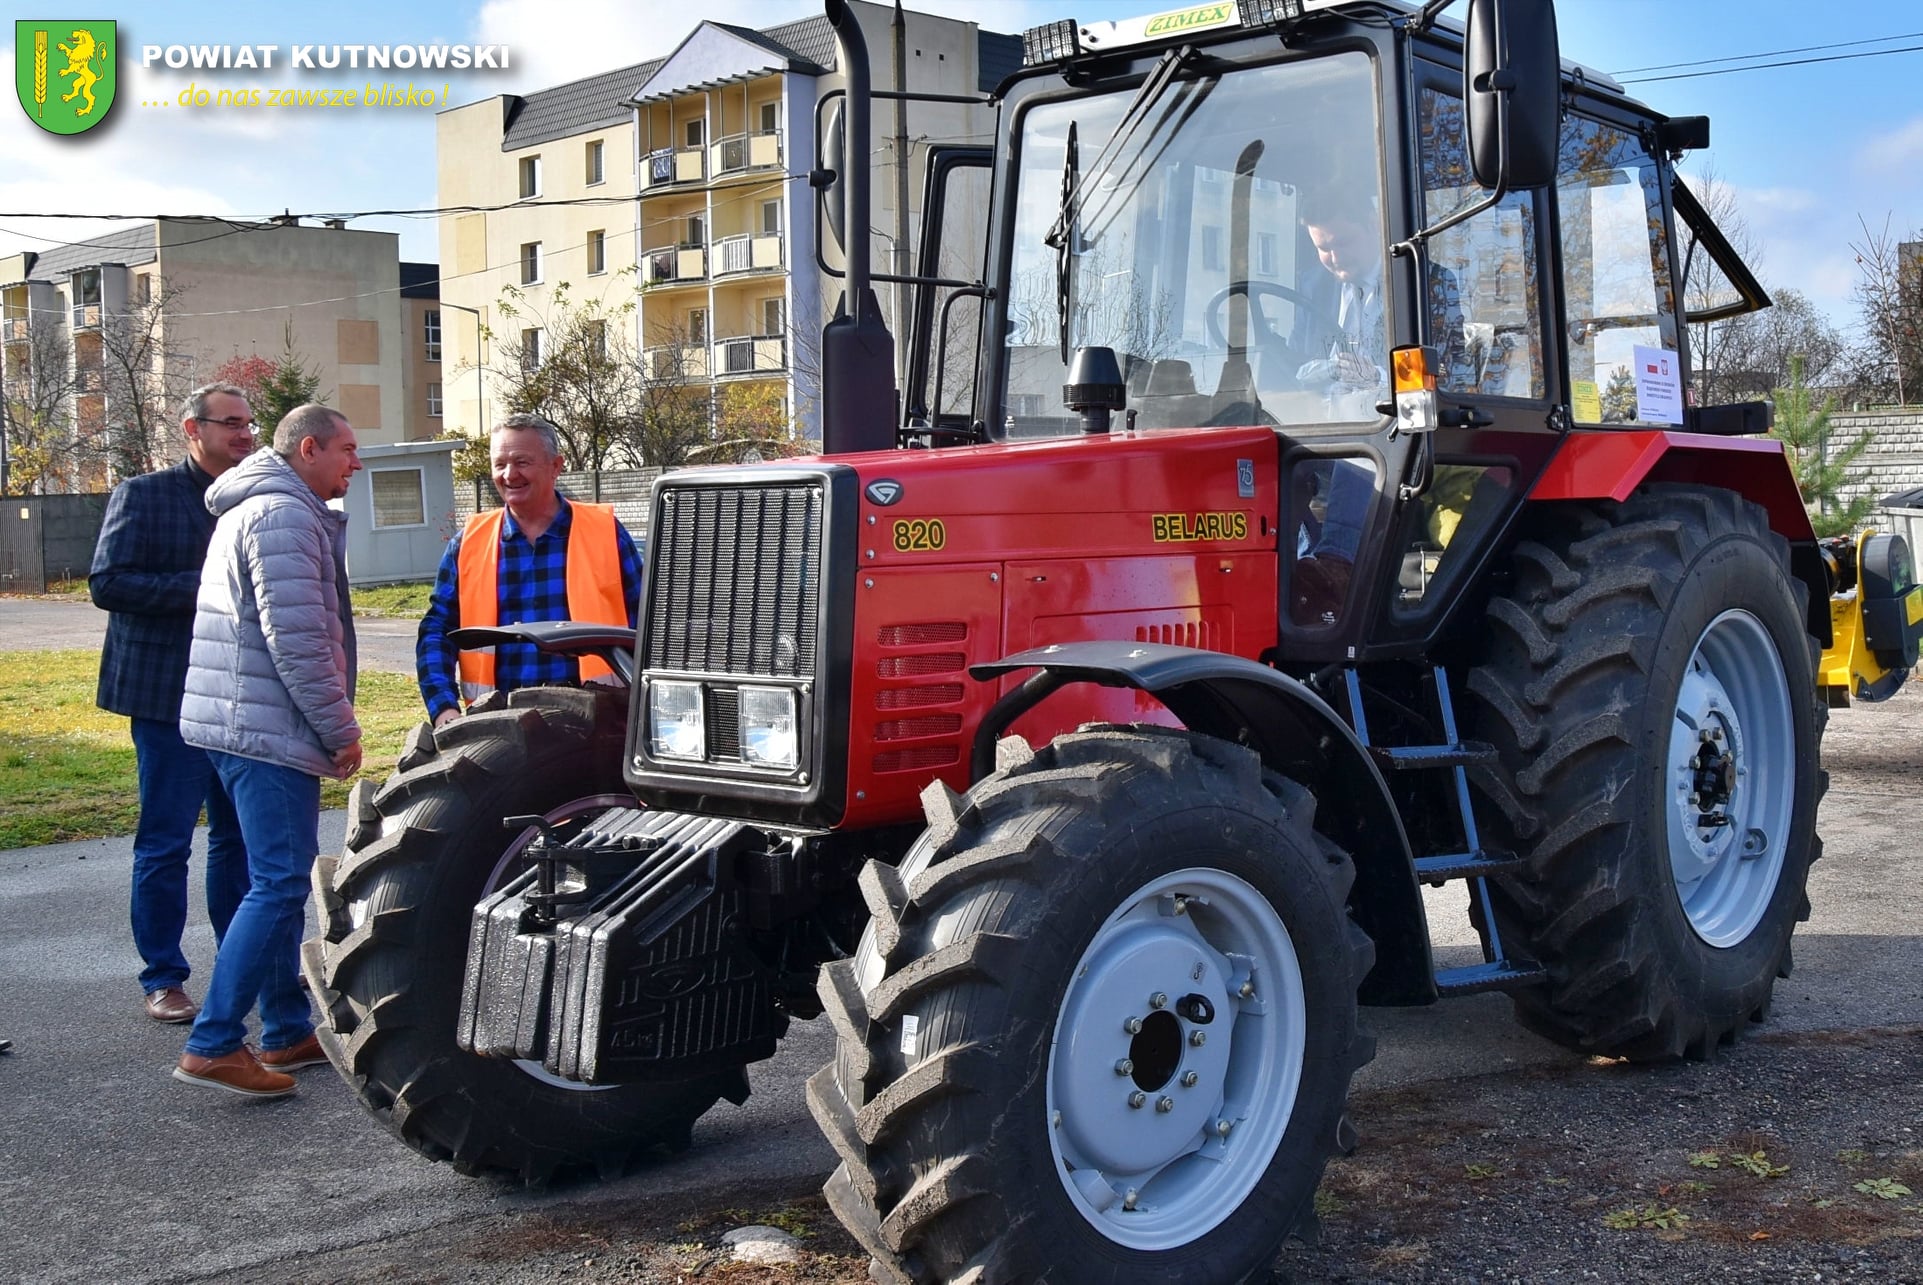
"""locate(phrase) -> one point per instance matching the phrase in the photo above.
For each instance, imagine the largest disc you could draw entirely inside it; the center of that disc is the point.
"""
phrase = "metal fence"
(44, 538)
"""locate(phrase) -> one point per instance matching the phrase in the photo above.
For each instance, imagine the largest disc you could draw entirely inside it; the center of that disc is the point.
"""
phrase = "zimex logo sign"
(65, 72)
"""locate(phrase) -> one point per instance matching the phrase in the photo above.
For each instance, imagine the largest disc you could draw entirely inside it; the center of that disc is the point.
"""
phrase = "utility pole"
(901, 258)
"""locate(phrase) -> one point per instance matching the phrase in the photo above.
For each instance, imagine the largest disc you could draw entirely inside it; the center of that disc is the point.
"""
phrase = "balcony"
(752, 355)
(86, 316)
(670, 362)
(754, 253)
(738, 152)
(675, 263)
(88, 382)
(18, 330)
(677, 165)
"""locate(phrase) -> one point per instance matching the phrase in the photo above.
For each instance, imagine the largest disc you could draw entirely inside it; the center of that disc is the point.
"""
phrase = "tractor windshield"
(1222, 234)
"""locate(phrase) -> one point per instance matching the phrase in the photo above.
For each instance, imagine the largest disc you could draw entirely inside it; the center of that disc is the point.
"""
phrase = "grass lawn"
(408, 601)
(67, 767)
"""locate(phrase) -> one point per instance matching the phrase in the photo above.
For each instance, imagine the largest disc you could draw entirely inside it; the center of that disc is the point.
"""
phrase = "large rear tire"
(1649, 683)
(395, 913)
(1102, 1025)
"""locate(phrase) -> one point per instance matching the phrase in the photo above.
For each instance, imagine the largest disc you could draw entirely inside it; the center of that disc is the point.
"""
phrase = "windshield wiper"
(1063, 233)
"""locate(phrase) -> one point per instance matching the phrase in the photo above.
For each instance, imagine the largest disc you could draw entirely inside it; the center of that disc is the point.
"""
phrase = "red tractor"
(1303, 502)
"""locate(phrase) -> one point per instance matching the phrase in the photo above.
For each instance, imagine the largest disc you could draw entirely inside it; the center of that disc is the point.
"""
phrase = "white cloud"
(1895, 153)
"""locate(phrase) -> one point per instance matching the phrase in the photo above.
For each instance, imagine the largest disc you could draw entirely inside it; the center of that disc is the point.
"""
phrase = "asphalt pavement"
(110, 1170)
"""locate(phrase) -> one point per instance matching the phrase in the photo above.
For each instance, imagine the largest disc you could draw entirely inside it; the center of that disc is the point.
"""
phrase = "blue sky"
(1806, 150)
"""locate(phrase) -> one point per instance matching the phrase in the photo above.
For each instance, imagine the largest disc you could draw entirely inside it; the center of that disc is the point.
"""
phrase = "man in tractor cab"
(541, 557)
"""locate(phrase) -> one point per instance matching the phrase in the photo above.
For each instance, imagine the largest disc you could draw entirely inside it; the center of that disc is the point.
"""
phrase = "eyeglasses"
(233, 425)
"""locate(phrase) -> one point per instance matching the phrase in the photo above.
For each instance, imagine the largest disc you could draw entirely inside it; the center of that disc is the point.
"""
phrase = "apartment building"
(423, 392)
(709, 148)
(222, 289)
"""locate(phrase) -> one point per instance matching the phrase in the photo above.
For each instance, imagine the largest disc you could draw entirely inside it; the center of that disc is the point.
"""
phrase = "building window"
(1265, 256)
(596, 171)
(596, 336)
(434, 400)
(531, 263)
(697, 325)
(530, 176)
(772, 311)
(697, 230)
(697, 131)
(1212, 248)
(431, 320)
(144, 288)
(771, 218)
(770, 117)
(531, 350)
(597, 253)
(399, 499)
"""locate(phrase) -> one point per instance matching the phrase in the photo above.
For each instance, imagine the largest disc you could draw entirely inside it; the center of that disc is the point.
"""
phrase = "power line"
(1763, 66)
(1771, 53)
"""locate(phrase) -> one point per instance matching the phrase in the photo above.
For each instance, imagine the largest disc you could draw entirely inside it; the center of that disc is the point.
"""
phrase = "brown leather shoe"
(237, 1072)
(306, 1053)
(170, 1004)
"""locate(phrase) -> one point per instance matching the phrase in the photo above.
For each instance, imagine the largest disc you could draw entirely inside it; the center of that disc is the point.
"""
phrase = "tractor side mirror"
(1511, 74)
(829, 179)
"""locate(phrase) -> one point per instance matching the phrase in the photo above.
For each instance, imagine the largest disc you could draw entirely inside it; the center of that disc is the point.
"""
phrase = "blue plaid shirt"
(532, 584)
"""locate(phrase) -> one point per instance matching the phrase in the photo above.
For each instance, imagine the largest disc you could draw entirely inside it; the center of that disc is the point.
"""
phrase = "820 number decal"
(920, 535)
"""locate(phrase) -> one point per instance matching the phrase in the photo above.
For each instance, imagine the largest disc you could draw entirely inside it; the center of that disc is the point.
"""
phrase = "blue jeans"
(259, 959)
(175, 778)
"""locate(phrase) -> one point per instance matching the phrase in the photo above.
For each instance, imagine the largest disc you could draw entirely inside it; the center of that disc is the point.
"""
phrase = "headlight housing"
(770, 735)
(677, 727)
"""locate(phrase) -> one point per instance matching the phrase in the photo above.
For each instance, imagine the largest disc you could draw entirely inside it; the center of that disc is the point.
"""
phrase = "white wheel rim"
(1157, 1137)
(1730, 779)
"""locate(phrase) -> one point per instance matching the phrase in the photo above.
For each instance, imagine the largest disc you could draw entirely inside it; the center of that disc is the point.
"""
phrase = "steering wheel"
(1262, 333)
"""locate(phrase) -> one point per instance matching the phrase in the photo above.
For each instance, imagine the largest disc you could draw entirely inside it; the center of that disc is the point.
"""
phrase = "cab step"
(1502, 975)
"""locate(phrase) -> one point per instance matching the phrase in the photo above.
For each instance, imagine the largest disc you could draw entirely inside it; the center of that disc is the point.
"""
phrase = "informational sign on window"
(1659, 386)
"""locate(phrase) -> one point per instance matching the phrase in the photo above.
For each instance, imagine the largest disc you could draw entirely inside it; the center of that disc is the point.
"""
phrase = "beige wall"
(481, 253)
(338, 288)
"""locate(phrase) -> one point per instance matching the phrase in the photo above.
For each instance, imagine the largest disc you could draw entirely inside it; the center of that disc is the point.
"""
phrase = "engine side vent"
(944, 662)
(902, 729)
(946, 631)
(921, 759)
(1201, 634)
(918, 697)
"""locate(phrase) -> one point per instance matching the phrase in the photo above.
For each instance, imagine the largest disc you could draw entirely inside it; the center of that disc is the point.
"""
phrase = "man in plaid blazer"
(146, 574)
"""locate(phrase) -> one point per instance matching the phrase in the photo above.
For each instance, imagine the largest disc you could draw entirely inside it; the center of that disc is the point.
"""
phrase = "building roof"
(131, 246)
(420, 280)
(594, 102)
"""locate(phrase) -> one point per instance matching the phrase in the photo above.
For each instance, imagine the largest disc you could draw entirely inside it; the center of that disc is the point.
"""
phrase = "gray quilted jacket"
(271, 674)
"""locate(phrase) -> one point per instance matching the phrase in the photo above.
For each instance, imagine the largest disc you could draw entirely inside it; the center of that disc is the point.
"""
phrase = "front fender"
(1297, 734)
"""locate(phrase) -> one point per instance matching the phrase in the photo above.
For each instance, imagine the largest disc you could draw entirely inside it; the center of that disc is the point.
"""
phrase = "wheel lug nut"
(1124, 1067)
(1137, 1098)
(1195, 973)
(1223, 1128)
(1133, 1026)
(1128, 1200)
(1158, 1000)
(1189, 1079)
(1056, 1119)
(1248, 989)
(1198, 1038)
(1165, 1105)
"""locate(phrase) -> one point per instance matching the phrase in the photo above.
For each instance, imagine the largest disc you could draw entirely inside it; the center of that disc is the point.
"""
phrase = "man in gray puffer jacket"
(270, 696)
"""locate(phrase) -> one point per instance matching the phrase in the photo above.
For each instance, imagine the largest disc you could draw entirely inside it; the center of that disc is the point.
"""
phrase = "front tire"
(1650, 688)
(1103, 1024)
(395, 916)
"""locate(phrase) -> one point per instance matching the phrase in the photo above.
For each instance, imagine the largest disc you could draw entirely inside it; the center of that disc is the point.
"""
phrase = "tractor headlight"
(676, 727)
(769, 734)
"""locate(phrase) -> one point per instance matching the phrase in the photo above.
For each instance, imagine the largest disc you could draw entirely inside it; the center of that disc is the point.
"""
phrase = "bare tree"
(144, 381)
(1891, 300)
(676, 408)
(574, 364)
(38, 410)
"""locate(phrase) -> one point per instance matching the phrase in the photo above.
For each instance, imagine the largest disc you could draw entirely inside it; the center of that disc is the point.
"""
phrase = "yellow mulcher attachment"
(1876, 617)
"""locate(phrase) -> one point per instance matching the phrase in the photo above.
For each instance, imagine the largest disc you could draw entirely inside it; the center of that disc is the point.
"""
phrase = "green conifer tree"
(292, 383)
(1823, 469)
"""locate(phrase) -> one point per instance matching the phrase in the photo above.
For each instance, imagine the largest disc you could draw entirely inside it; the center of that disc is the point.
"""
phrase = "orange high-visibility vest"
(594, 585)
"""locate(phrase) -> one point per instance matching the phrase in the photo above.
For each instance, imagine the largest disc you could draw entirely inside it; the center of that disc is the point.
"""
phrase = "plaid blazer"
(146, 574)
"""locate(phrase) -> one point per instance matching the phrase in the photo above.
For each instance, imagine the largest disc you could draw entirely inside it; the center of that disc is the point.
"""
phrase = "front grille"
(735, 580)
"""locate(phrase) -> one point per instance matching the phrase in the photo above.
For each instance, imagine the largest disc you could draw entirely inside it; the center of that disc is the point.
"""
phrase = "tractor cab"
(1307, 217)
